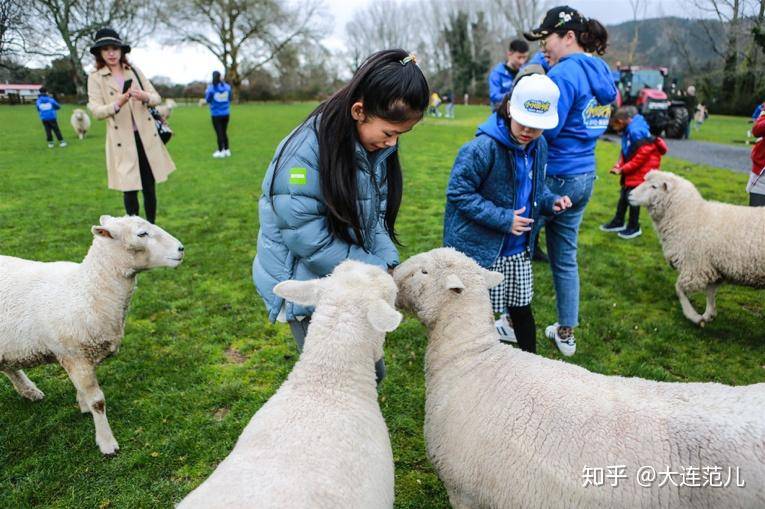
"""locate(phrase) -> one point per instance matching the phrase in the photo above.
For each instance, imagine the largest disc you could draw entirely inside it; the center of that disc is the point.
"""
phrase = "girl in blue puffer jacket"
(333, 189)
(497, 190)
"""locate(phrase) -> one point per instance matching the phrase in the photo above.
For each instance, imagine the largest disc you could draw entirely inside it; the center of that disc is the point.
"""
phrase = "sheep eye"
(424, 271)
(143, 234)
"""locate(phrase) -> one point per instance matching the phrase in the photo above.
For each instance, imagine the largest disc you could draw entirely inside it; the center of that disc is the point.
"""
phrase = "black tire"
(678, 122)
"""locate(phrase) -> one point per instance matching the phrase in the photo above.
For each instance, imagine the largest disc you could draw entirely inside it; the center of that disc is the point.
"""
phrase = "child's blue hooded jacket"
(219, 98)
(47, 106)
(486, 185)
(635, 131)
(584, 108)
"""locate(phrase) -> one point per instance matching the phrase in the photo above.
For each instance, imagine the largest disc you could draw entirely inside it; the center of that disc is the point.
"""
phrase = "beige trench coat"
(121, 152)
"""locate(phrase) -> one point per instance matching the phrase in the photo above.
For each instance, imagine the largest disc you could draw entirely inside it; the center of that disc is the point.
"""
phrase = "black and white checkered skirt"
(517, 287)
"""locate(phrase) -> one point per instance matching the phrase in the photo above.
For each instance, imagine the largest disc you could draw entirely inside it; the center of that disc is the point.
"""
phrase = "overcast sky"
(189, 63)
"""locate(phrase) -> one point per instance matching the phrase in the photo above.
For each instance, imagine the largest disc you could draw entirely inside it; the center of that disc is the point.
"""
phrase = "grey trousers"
(299, 330)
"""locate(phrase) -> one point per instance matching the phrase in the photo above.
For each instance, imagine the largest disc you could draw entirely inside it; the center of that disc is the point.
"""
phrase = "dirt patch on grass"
(234, 356)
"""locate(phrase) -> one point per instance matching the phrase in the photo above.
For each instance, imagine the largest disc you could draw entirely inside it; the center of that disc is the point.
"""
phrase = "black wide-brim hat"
(108, 37)
(558, 19)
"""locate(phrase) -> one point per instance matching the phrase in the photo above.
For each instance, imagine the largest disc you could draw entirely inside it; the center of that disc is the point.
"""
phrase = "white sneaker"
(227, 153)
(505, 330)
(62, 144)
(566, 346)
(218, 154)
(51, 144)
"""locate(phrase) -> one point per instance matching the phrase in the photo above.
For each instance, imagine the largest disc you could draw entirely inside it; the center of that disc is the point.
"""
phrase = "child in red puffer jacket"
(641, 153)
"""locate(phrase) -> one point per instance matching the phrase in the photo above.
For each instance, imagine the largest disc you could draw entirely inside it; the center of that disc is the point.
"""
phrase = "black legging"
(147, 185)
(221, 124)
(621, 210)
(52, 126)
(525, 327)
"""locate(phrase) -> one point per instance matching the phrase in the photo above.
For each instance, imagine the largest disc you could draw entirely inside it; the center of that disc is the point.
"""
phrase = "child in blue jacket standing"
(570, 42)
(218, 96)
(497, 190)
(47, 107)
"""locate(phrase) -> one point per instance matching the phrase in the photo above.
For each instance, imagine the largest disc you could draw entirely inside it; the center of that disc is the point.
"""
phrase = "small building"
(19, 92)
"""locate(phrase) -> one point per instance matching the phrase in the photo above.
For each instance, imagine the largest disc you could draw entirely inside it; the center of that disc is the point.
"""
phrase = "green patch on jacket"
(298, 176)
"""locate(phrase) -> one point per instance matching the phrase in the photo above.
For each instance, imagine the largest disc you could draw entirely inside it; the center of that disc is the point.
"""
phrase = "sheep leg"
(459, 500)
(711, 310)
(688, 310)
(82, 401)
(24, 385)
(83, 376)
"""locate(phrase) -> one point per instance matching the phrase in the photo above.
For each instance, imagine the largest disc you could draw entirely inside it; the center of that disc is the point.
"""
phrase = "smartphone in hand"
(127, 85)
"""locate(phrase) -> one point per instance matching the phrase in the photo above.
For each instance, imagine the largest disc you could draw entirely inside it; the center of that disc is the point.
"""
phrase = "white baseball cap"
(534, 102)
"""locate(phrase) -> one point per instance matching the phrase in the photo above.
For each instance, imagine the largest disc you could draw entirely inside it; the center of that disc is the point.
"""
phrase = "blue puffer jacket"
(47, 106)
(294, 241)
(480, 198)
(500, 83)
(584, 108)
(219, 98)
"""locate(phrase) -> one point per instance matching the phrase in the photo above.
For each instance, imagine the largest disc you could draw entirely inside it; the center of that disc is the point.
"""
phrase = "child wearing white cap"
(497, 190)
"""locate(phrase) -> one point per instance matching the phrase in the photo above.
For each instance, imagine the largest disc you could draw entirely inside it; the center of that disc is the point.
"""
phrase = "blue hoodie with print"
(219, 98)
(47, 106)
(635, 131)
(584, 108)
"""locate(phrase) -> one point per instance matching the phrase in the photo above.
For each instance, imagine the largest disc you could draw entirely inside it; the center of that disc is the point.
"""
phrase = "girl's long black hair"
(391, 87)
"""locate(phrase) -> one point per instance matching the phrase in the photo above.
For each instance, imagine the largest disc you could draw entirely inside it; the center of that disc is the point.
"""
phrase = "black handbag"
(163, 128)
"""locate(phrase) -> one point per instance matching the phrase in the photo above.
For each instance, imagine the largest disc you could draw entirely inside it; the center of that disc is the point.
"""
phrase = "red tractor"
(644, 87)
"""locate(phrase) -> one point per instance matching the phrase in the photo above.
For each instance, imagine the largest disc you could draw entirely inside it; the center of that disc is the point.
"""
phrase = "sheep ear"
(102, 231)
(383, 317)
(491, 278)
(305, 293)
(103, 219)
(454, 283)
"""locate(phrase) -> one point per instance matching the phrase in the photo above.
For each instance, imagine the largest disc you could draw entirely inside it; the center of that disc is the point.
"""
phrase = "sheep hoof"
(108, 447)
(33, 394)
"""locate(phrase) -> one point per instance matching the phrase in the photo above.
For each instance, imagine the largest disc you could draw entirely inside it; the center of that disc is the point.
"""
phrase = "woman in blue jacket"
(218, 96)
(497, 190)
(47, 107)
(569, 41)
(333, 189)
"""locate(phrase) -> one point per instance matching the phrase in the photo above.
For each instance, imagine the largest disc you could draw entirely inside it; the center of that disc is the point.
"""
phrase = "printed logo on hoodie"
(595, 116)
(221, 96)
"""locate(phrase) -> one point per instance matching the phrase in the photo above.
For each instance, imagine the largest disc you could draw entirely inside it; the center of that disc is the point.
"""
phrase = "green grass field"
(724, 129)
(199, 356)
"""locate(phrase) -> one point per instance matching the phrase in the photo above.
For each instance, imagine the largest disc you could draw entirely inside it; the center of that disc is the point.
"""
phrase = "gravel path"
(712, 154)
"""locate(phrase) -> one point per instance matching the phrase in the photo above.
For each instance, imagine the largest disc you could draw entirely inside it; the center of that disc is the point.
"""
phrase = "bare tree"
(11, 19)
(243, 34)
(380, 25)
(639, 8)
(522, 15)
(65, 28)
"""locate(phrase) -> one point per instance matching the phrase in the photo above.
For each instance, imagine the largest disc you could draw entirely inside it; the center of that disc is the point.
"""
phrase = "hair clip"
(411, 58)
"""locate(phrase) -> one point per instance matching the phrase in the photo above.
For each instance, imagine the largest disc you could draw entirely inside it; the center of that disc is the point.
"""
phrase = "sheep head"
(657, 191)
(364, 290)
(143, 245)
(429, 281)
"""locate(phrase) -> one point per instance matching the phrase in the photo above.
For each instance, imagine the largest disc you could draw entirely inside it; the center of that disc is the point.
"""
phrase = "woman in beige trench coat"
(136, 158)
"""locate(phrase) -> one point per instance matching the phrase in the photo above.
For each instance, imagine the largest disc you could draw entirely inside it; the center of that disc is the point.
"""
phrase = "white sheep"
(167, 108)
(709, 243)
(321, 440)
(201, 102)
(80, 122)
(74, 313)
(506, 428)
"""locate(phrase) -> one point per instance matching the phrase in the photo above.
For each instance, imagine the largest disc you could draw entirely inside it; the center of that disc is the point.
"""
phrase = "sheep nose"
(180, 248)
